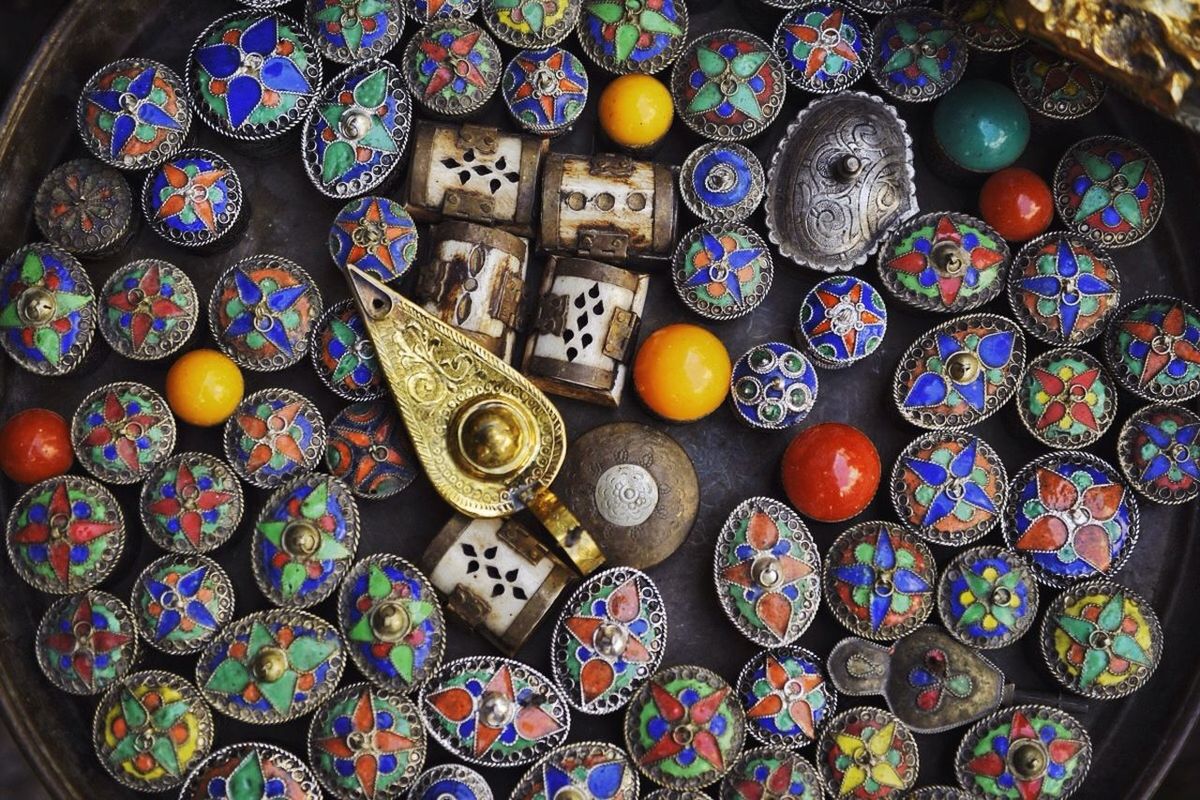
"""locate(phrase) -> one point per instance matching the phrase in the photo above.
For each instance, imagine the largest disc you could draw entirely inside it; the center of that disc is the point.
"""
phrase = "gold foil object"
(1148, 48)
(489, 440)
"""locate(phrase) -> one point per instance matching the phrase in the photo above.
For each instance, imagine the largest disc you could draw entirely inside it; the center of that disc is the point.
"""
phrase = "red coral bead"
(830, 471)
(35, 444)
(1017, 203)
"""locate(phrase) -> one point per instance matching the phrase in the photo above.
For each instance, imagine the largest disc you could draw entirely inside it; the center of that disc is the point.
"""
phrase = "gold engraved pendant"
(488, 439)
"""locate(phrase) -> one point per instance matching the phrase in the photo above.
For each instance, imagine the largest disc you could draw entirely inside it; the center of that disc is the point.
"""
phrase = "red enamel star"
(798, 707)
(1164, 343)
(384, 235)
(84, 642)
(458, 705)
(144, 304)
(61, 531)
(772, 606)
(546, 99)
(993, 765)
(121, 430)
(597, 673)
(1068, 398)
(830, 301)
(190, 191)
(1096, 504)
(821, 47)
(268, 441)
(188, 503)
(452, 62)
(365, 743)
(694, 719)
(778, 783)
(949, 284)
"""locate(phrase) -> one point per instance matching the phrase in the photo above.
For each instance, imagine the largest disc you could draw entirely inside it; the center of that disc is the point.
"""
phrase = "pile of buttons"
(1068, 520)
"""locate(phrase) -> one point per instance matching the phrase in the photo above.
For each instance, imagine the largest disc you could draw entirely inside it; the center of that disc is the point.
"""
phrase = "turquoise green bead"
(981, 126)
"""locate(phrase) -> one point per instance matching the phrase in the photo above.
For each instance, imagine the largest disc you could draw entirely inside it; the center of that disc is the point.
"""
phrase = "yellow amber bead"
(682, 372)
(204, 387)
(636, 110)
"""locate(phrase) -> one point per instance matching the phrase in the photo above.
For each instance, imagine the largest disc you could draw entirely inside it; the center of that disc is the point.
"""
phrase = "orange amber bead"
(682, 372)
(636, 110)
(204, 387)
(830, 472)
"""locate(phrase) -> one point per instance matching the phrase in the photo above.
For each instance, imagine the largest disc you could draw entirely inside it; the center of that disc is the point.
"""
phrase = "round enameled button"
(1063, 289)
(765, 771)
(191, 503)
(180, 602)
(149, 309)
(531, 23)
(722, 270)
(879, 580)
(86, 642)
(684, 728)
(262, 311)
(375, 235)
(824, 47)
(773, 386)
(251, 764)
(353, 31)
(868, 754)
(1024, 751)
(1066, 399)
(918, 54)
(423, 12)
(944, 261)
(369, 450)
(344, 356)
(1153, 348)
(728, 85)
(1159, 452)
(660, 27)
(842, 320)
(366, 744)
(455, 780)
(253, 75)
(133, 114)
(580, 770)
(121, 431)
(86, 208)
(47, 309)
(949, 487)
(1053, 85)
(545, 90)
(273, 435)
(65, 534)
(1109, 191)
(151, 729)
(194, 200)
(786, 697)
(1072, 517)
(984, 24)
(452, 67)
(1101, 640)
(987, 597)
(355, 133)
(722, 182)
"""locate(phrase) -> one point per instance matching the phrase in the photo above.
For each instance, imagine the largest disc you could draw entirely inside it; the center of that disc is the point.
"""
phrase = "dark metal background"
(1136, 739)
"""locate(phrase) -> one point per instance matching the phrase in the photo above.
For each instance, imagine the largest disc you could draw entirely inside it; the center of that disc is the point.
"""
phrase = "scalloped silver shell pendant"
(840, 180)
(767, 572)
(580, 770)
(610, 637)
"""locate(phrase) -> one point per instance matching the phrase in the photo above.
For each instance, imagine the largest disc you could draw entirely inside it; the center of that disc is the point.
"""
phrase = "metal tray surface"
(1136, 739)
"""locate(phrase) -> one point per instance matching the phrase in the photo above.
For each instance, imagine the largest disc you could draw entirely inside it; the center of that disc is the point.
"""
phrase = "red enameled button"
(830, 471)
(35, 444)
(1017, 203)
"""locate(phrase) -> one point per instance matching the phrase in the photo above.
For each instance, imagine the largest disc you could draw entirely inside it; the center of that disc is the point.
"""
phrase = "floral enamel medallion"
(580, 770)
(773, 386)
(375, 235)
(531, 23)
(984, 24)
(728, 85)
(1024, 752)
(545, 90)
(344, 356)
(273, 435)
(843, 319)
(767, 572)
(1066, 399)
(609, 639)
(987, 597)
(150, 309)
(722, 271)
(879, 580)
(919, 54)
(392, 622)
(369, 449)
(1063, 289)
(452, 67)
(86, 208)
(867, 754)
(769, 772)
(633, 36)
(191, 503)
(86, 642)
(262, 311)
(353, 31)
(786, 697)
(949, 487)
(251, 771)
(120, 431)
(823, 47)
(455, 780)
(722, 182)
(1153, 347)
(194, 200)
(1072, 517)
(1159, 453)
(133, 114)
(47, 309)
(1108, 190)
(180, 602)
(1053, 85)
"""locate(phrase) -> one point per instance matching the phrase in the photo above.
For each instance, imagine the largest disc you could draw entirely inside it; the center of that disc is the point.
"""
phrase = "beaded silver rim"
(447, 108)
(88, 313)
(1028, 473)
(123, 474)
(938, 793)
(551, 34)
(1027, 388)
(1063, 192)
(111, 556)
(1173, 393)
(592, 753)
(227, 223)
(228, 483)
(654, 609)
(909, 755)
(336, 663)
(195, 704)
(327, 96)
(999, 38)
(1031, 95)
(981, 728)
(795, 14)
(805, 339)
(176, 338)
(458, 10)
(957, 567)
(801, 771)
(551, 696)
(314, 350)
(251, 132)
(57, 610)
(1125, 454)
(704, 308)
(296, 769)
(891, 277)
(110, 235)
(649, 66)
(1025, 260)
(312, 454)
(744, 685)
(341, 54)
(901, 495)
(458, 773)
(174, 140)
(279, 360)
(321, 724)
(223, 593)
(708, 212)
(933, 89)
(746, 372)
(748, 128)
(1110, 589)
(509, 84)
(438, 649)
(926, 346)
(808, 586)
